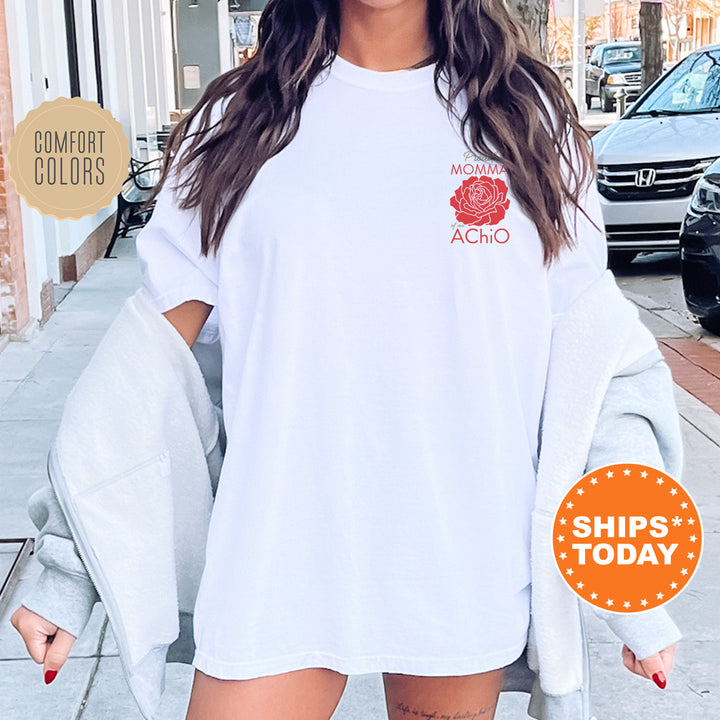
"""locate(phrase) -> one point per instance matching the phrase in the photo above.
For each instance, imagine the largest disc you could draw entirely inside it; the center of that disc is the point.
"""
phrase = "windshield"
(621, 54)
(693, 85)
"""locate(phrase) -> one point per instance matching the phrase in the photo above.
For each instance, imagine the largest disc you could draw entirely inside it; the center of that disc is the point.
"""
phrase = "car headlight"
(706, 198)
(616, 79)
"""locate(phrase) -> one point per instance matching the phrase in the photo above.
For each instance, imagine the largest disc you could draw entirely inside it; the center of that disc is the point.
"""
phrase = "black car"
(610, 68)
(700, 250)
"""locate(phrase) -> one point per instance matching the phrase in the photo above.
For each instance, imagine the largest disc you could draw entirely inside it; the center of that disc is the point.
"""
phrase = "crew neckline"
(381, 79)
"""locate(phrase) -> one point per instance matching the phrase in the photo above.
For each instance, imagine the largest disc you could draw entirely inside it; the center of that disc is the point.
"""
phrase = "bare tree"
(651, 41)
(534, 15)
(678, 13)
(560, 36)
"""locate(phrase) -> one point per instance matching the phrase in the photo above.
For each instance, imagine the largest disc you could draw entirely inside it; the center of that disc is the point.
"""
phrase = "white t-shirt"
(385, 322)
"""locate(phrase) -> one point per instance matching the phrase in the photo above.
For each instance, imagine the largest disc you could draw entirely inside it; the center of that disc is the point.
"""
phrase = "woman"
(418, 210)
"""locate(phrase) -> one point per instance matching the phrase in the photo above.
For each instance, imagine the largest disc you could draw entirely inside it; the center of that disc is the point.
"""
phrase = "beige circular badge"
(69, 158)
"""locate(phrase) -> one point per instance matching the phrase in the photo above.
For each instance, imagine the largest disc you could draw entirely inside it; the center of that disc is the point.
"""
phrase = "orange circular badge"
(627, 537)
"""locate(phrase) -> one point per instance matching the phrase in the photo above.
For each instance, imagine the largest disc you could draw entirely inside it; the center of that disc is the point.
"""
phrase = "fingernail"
(50, 676)
(659, 679)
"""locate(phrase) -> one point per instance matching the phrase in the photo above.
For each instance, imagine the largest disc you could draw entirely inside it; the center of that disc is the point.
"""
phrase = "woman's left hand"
(655, 667)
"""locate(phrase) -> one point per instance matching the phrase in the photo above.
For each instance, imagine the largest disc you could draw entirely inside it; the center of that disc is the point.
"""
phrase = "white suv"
(650, 160)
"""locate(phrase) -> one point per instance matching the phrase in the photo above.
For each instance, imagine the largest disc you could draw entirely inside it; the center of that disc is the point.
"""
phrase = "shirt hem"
(429, 666)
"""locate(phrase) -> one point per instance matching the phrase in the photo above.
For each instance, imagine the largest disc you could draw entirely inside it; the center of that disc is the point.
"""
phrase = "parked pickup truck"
(611, 67)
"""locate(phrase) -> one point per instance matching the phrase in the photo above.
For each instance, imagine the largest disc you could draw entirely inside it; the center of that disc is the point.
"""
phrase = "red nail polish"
(659, 679)
(50, 676)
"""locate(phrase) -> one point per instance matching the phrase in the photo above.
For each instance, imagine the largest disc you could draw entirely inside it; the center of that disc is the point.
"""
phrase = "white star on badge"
(563, 556)
(673, 491)
(593, 481)
(608, 602)
(659, 596)
(626, 472)
(609, 473)
(659, 481)
(684, 571)
(673, 585)
(643, 473)
(691, 521)
(580, 491)
(643, 602)
(569, 571)
(580, 586)
(683, 506)
(626, 604)
(691, 556)
(563, 521)
(593, 596)
(569, 505)
(693, 538)
(560, 538)
(677, 521)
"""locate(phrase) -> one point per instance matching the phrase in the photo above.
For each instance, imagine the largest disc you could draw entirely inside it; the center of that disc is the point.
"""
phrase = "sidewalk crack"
(693, 425)
(93, 672)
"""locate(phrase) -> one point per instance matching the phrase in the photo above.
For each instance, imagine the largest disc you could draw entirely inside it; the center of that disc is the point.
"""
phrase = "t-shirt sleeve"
(578, 268)
(172, 266)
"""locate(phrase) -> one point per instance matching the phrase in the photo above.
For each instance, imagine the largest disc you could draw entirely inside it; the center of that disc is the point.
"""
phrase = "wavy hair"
(516, 112)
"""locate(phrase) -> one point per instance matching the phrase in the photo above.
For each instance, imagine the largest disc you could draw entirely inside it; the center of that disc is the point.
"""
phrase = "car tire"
(606, 103)
(621, 258)
(588, 102)
(711, 323)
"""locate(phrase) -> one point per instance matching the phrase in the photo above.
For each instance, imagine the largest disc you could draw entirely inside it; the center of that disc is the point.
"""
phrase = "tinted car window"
(621, 54)
(692, 85)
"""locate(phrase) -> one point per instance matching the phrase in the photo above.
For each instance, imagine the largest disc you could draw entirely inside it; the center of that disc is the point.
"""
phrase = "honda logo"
(645, 178)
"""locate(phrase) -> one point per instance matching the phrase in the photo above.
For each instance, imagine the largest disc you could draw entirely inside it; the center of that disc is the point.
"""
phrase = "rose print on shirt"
(481, 200)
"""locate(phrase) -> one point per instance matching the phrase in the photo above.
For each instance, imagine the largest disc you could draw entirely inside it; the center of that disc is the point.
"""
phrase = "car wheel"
(621, 258)
(711, 323)
(606, 103)
(588, 102)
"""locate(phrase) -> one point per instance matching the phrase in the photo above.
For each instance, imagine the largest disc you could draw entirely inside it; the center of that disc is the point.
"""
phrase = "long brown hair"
(518, 113)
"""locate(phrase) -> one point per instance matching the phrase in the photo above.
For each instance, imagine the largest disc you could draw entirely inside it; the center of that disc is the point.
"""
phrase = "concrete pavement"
(35, 378)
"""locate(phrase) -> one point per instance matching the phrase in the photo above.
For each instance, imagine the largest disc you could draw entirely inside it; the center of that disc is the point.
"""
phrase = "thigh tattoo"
(476, 714)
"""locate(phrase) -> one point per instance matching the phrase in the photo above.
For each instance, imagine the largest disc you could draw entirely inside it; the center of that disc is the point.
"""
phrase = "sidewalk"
(35, 378)
(595, 122)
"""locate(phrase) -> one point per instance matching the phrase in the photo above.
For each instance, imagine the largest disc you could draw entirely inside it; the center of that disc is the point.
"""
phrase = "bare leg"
(308, 694)
(460, 697)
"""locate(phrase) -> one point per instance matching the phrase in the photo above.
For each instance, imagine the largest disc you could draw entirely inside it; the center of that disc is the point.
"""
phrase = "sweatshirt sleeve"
(639, 420)
(64, 594)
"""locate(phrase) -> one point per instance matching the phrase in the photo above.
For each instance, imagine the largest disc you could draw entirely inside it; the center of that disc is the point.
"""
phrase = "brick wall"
(14, 309)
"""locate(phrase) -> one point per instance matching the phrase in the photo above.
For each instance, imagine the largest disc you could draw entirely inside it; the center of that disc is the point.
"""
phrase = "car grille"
(651, 234)
(633, 78)
(672, 179)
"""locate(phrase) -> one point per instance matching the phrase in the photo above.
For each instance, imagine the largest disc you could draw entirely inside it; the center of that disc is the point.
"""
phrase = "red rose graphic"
(480, 201)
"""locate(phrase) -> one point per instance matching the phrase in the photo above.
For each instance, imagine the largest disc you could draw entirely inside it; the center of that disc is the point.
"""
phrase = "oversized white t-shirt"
(385, 321)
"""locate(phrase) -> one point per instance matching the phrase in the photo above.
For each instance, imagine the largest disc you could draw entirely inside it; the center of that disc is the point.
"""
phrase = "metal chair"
(135, 191)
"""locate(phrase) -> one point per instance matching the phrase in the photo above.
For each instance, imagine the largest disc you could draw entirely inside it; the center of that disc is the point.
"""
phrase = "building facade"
(140, 60)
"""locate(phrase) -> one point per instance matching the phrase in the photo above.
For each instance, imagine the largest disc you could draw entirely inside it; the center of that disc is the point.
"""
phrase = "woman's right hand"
(47, 644)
